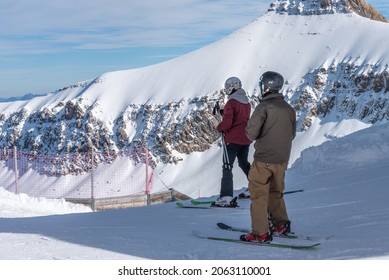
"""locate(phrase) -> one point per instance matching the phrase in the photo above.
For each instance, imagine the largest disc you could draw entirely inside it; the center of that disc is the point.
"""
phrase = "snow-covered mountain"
(334, 60)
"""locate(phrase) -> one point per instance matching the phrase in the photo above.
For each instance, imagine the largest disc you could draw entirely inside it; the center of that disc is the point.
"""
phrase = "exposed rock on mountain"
(363, 9)
(339, 89)
(320, 7)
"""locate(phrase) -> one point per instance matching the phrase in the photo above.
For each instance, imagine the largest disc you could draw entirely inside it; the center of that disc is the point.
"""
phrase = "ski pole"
(295, 191)
(225, 153)
(226, 160)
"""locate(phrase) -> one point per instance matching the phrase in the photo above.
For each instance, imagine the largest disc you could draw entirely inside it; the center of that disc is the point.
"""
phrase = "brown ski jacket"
(273, 127)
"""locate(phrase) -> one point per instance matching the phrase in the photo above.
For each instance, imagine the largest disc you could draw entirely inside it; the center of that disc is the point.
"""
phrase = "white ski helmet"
(231, 85)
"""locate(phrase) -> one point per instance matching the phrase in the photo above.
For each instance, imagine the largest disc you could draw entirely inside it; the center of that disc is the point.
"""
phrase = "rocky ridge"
(320, 7)
(340, 89)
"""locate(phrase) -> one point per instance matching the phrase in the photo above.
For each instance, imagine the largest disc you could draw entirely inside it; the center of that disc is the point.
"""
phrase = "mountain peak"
(321, 7)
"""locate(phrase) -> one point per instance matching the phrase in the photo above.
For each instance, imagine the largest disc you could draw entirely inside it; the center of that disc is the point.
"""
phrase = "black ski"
(240, 196)
(271, 244)
(243, 196)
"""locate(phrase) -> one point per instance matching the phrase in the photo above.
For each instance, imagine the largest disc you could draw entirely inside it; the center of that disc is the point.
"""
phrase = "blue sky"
(48, 44)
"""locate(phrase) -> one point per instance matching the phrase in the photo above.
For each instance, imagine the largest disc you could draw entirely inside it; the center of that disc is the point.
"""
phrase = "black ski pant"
(230, 153)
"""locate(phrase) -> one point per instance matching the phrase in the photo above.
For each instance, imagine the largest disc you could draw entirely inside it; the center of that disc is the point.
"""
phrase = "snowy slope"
(345, 195)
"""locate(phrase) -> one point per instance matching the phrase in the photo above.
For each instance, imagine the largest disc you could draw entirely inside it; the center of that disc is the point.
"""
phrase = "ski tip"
(315, 245)
(179, 204)
(329, 237)
(223, 225)
(197, 233)
(295, 246)
(298, 247)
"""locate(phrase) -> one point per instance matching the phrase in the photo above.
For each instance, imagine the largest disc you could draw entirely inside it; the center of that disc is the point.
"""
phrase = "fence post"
(92, 184)
(147, 175)
(16, 170)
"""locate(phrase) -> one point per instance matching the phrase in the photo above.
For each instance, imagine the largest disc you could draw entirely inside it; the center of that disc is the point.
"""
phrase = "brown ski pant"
(266, 185)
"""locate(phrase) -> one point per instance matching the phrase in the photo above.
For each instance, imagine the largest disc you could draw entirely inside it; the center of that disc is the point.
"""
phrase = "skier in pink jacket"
(235, 115)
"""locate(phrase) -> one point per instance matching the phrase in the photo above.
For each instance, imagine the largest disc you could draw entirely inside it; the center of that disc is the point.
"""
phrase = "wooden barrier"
(131, 201)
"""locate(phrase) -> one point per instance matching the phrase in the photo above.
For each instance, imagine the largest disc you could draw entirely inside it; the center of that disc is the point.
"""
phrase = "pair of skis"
(309, 243)
(289, 236)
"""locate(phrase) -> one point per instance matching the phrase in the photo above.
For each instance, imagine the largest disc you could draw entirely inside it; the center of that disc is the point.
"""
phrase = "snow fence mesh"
(86, 175)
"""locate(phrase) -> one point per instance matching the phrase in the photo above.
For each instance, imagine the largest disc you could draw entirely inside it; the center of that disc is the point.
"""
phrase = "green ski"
(271, 244)
(289, 236)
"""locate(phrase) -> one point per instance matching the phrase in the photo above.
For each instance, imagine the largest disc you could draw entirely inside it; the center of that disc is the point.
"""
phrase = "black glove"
(217, 110)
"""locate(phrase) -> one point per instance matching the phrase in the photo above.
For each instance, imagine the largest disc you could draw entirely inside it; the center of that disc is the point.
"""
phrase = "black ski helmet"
(270, 82)
(231, 85)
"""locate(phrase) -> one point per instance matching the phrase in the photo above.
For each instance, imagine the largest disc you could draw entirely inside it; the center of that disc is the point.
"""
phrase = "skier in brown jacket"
(273, 127)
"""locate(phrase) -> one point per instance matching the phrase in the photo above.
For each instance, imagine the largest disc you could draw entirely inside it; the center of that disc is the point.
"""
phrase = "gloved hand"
(217, 110)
